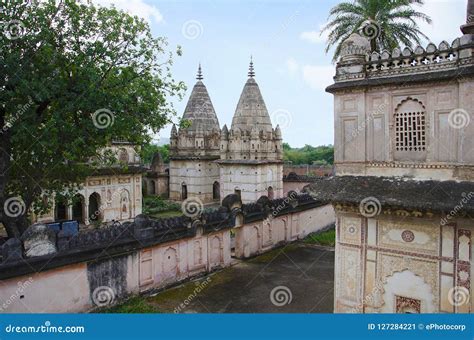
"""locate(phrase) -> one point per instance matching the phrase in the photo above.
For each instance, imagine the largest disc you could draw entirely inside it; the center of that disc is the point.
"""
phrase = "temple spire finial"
(468, 28)
(199, 74)
(251, 71)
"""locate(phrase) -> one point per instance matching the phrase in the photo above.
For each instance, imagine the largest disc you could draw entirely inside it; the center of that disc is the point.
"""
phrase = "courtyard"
(296, 278)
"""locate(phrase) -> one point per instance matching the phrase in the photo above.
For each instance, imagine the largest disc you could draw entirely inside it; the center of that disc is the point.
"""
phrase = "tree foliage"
(149, 150)
(323, 155)
(74, 77)
(387, 23)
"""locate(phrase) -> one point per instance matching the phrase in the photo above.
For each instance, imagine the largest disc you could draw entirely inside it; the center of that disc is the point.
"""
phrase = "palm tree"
(387, 23)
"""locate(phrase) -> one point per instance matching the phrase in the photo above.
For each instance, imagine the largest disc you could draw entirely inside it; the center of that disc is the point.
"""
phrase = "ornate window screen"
(410, 131)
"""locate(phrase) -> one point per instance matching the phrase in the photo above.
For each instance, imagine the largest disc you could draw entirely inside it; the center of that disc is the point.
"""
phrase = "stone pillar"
(69, 212)
(86, 212)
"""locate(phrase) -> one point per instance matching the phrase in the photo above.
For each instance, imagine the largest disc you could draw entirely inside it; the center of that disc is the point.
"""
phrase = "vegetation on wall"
(320, 155)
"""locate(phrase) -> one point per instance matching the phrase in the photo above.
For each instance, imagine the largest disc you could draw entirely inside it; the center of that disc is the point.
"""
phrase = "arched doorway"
(60, 209)
(216, 191)
(270, 193)
(216, 252)
(152, 190)
(78, 208)
(170, 264)
(184, 191)
(94, 207)
(124, 205)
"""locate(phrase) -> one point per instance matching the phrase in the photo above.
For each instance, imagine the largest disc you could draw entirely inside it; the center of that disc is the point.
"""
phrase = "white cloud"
(318, 77)
(135, 7)
(315, 37)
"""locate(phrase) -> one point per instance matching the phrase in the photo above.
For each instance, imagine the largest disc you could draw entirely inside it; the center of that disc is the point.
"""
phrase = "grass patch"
(153, 205)
(169, 213)
(137, 304)
(326, 238)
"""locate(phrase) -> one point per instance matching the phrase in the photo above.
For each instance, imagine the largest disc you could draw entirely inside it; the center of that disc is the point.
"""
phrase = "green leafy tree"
(386, 23)
(323, 155)
(149, 150)
(73, 77)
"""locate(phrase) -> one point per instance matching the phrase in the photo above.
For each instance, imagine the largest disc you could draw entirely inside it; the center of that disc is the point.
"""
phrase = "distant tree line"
(322, 155)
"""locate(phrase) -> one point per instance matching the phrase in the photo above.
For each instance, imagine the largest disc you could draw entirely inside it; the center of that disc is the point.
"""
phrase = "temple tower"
(251, 152)
(194, 148)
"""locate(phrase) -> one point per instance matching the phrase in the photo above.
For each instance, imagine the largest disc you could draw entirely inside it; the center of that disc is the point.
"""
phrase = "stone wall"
(103, 266)
(251, 180)
(198, 176)
(260, 236)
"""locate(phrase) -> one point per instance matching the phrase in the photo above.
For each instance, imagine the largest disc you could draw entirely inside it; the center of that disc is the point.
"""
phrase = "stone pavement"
(297, 278)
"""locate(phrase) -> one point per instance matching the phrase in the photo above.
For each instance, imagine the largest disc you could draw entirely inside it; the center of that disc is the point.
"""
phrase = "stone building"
(403, 190)
(194, 148)
(111, 193)
(156, 179)
(251, 152)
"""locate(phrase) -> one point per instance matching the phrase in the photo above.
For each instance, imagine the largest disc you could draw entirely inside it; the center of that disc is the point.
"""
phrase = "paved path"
(305, 272)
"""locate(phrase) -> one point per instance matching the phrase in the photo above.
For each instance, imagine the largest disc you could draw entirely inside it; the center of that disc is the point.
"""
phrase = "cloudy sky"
(291, 67)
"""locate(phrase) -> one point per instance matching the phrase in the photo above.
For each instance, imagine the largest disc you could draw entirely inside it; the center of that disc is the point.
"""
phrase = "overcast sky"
(291, 67)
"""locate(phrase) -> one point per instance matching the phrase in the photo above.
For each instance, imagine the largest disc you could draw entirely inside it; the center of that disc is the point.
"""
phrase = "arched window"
(184, 191)
(78, 208)
(123, 156)
(94, 207)
(410, 130)
(270, 193)
(216, 191)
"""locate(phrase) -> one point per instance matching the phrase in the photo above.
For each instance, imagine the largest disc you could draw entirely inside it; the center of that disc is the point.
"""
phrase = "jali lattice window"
(410, 134)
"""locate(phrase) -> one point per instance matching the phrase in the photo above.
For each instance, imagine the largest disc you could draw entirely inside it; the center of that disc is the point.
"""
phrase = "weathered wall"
(198, 176)
(398, 264)
(120, 199)
(260, 236)
(74, 288)
(253, 180)
(365, 134)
